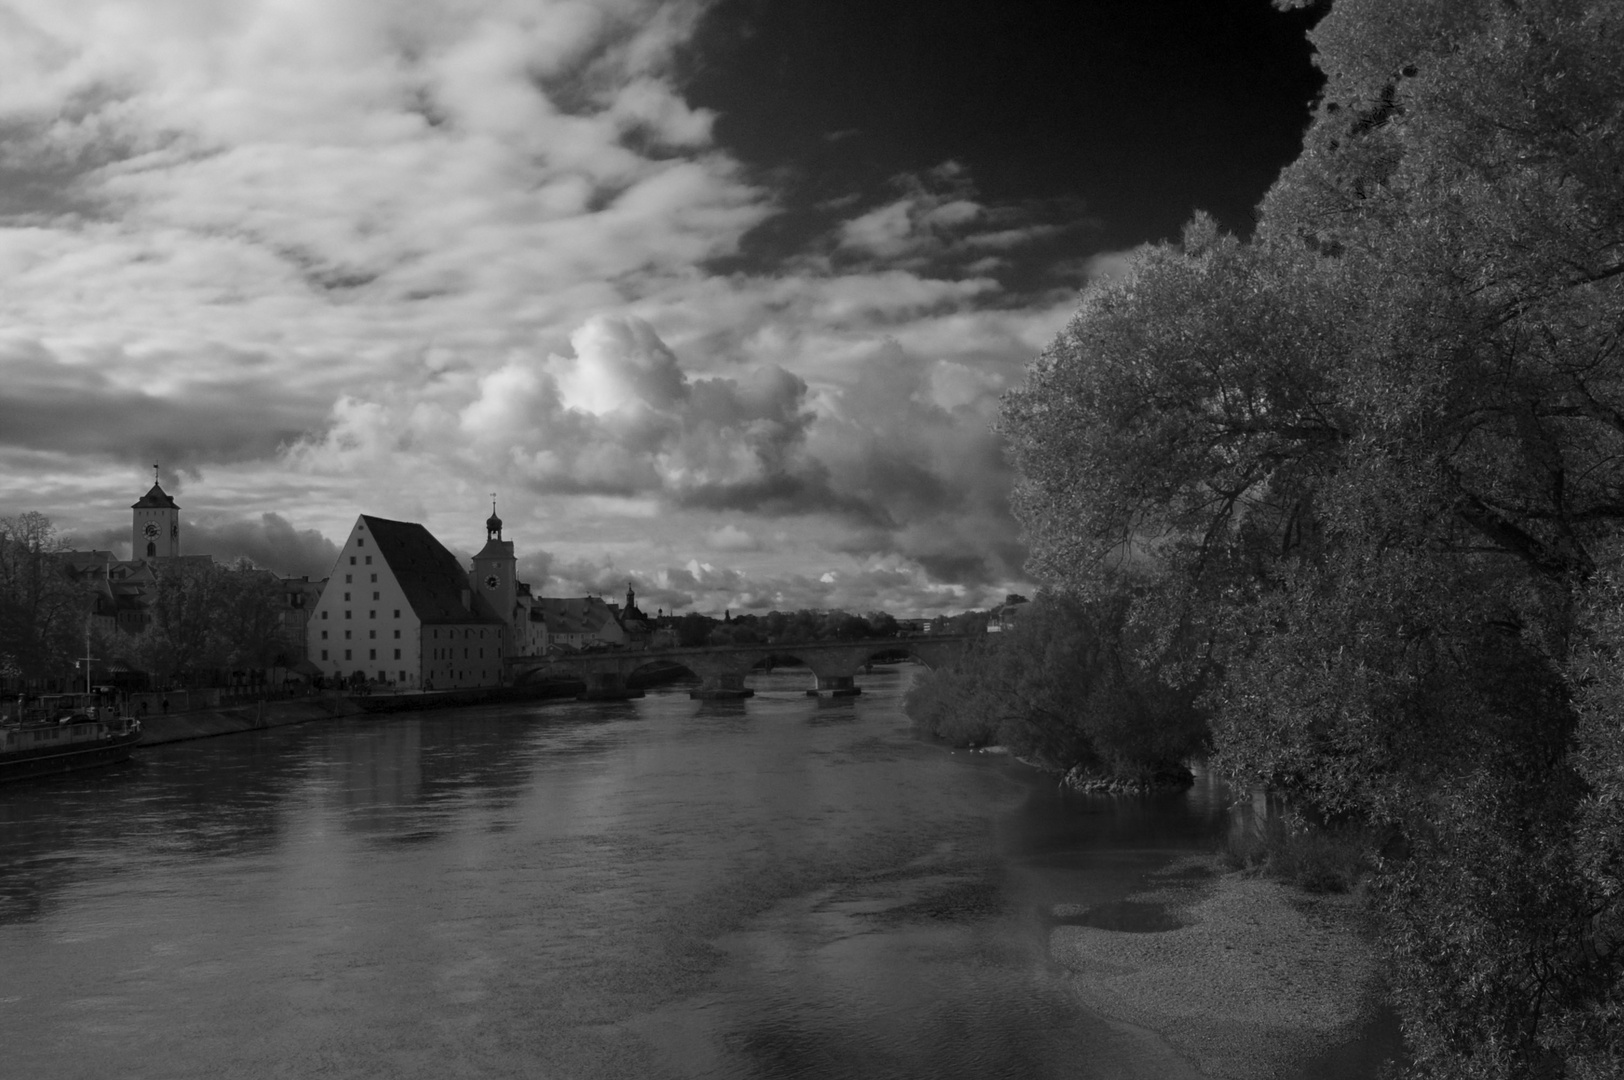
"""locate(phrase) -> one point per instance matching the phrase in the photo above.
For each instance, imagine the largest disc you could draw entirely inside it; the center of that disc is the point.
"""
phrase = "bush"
(1288, 848)
(1061, 689)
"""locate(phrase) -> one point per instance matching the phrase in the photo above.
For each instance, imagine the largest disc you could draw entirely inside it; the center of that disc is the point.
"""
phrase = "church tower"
(496, 570)
(155, 530)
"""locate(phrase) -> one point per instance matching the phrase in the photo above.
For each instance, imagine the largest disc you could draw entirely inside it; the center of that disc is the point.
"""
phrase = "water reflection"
(787, 886)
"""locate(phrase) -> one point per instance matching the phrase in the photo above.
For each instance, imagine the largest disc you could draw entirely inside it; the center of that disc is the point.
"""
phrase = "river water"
(782, 887)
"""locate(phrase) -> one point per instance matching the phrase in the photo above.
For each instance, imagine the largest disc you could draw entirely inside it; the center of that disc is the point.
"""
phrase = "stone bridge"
(722, 668)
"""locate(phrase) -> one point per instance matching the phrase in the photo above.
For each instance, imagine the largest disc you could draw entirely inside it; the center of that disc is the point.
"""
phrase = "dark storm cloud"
(49, 404)
(271, 543)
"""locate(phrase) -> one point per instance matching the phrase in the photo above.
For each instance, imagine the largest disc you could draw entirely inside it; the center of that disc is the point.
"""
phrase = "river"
(779, 887)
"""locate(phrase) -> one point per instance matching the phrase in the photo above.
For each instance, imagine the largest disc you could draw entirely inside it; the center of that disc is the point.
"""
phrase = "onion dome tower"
(495, 570)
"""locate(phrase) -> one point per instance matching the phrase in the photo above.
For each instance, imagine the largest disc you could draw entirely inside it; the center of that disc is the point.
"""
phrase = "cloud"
(326, 258)
(271, 542)
(938, 217)
(75, 401)
(731, 538)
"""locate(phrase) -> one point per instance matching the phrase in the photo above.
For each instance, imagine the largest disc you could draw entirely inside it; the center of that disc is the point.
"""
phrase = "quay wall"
(202, 723)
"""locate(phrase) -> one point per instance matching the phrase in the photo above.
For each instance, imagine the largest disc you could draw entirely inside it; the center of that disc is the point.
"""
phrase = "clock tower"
(155, 530)
(495, 569)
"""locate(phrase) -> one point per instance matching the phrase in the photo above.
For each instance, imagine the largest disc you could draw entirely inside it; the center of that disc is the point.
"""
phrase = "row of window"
(450, 654)
(352, 558)
(372, 614)
(349, 578)
(370, 634)
(372, 654)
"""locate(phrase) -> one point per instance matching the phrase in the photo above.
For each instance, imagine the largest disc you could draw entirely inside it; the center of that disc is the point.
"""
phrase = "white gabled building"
(399, 608)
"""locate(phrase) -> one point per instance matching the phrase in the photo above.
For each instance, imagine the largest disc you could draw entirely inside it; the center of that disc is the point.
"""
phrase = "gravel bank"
(1260, 977)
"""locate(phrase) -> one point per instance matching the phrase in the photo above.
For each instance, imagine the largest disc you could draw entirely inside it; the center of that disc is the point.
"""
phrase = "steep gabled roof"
(432, 579)
(157, 497)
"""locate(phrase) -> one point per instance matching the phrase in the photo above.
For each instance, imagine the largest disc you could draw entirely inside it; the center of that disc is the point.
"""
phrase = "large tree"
(203, 618)
(1369, 464)
(42, 610)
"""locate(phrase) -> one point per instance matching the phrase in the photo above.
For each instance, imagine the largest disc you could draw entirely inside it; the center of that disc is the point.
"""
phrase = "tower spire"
(493, 524)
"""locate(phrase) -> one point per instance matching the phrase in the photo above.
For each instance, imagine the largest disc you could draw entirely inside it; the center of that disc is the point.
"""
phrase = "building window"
(374, 577)
(369, 560)
(346, 654)
(373, 614)
(360, 541)
(324, 635)
(372, 633)
(397, 633)
(397, 613)
(324, 654)
(397, 654)
(403, 676)
(372, 654)
(346, 596)
(352, 560)
(348, 578)
(346, 635)
(324, 614)
(374, 595)
(346, 613)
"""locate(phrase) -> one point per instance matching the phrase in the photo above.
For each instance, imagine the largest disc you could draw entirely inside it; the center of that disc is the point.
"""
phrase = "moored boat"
(80, 739)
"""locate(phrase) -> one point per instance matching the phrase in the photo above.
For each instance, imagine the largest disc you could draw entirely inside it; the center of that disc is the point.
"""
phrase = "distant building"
(574, 623)
(155, 530)
(1006, 615)
(399, 608)
(300, 596)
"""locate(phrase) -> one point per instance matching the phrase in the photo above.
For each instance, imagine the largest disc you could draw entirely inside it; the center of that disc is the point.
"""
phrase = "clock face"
(151, 530)
(492, 581)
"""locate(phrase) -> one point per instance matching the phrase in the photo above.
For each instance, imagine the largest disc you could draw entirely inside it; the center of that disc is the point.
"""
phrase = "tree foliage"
(1368, 464)
(42, 611)
(1058, 688)
(204, 618)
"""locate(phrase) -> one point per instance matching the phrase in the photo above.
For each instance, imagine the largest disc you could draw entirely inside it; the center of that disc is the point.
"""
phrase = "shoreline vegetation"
(1345, 491)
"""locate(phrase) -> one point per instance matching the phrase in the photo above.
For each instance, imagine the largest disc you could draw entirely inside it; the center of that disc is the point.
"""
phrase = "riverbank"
(205, 723)
(1240, 976)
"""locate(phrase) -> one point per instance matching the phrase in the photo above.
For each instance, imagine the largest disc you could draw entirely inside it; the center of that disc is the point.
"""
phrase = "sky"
(718, 297)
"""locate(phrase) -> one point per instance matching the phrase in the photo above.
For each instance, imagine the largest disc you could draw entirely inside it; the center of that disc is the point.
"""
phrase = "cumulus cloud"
(340, 257)
(731, 538)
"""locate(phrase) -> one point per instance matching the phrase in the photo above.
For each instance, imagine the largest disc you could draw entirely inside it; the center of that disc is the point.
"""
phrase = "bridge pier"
(722, 686)
(835, 686)
(607, 686)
